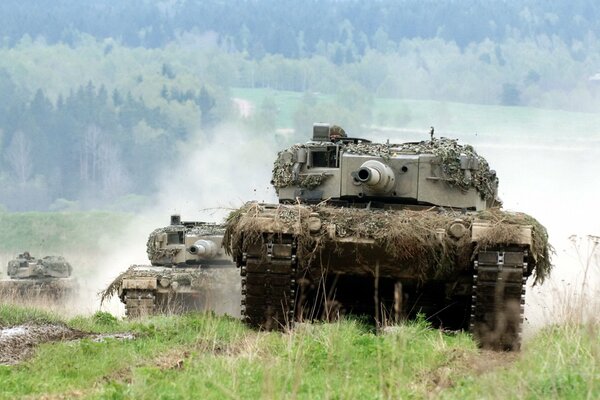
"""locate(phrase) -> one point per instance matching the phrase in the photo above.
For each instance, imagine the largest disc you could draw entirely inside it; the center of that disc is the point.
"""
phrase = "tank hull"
(53, 288)
(188, 272)
(147, 289)
(302, 262)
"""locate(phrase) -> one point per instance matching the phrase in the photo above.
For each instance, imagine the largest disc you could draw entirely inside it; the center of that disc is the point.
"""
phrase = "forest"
(98, 97)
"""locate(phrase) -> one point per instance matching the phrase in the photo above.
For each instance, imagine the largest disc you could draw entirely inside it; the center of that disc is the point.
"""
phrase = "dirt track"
(17, 343)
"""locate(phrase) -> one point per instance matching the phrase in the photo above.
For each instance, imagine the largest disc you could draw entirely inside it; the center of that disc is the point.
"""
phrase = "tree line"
(347, 29)
(91, 145)
(98, 99)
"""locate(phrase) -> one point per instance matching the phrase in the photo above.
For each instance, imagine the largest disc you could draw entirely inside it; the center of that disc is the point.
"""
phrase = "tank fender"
(480, 231)
(139, 282)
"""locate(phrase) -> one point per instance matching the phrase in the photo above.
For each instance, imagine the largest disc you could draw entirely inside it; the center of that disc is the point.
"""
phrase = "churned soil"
(18, 343)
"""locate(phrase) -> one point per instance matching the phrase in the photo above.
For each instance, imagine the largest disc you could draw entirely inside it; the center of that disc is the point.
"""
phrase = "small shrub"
(105, 318)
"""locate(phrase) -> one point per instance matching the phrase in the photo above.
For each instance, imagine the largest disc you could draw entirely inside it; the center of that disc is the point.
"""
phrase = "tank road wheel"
(139, 303)
(498, 298)
(268, 270)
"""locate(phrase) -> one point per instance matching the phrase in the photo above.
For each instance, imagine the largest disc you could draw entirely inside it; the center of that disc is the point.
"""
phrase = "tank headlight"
(164, 282)
(457, 230)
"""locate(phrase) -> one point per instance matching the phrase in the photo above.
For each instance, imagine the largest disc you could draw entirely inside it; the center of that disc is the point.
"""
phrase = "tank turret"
(30, 277)
(342, 170)
(25, 266)
(184, 243)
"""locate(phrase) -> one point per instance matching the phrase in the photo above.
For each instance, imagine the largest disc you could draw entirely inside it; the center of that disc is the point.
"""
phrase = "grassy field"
(209, 357)
(449, 117)
(57, 232)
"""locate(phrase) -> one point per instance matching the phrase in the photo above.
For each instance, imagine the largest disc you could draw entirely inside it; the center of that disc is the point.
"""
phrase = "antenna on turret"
(431, 130)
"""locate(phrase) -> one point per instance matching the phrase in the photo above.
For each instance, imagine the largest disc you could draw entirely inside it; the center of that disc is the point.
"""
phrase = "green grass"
(209, 357)
(287, 102)
(491, 120)
(561, 362)
(11, 315)
(58, 231)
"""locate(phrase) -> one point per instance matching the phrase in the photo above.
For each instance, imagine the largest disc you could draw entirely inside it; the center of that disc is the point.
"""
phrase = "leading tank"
(188, 271)
(390, 231)
(30, 277)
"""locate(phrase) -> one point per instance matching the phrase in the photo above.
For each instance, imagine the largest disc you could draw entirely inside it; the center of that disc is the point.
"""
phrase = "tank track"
(139, 303)
(268, 268)
(498, 298)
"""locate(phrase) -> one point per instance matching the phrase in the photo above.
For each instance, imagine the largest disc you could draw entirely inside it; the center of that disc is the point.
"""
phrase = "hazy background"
(115, 115)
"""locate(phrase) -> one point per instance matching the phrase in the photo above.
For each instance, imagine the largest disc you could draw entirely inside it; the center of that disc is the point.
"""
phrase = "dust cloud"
(557, 184)
(211, 177)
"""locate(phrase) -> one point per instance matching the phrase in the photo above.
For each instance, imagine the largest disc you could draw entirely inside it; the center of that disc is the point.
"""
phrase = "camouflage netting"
(407, 237)
(447, 150)
(282, 171)
(155, 252)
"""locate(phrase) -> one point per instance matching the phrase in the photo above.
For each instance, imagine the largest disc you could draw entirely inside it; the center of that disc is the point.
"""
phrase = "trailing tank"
(390, 231)
(30, 277)
(188, 271)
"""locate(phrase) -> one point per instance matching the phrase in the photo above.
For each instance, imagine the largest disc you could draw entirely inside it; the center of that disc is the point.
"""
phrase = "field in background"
(57, 232)
(92, 242)
(483, 120)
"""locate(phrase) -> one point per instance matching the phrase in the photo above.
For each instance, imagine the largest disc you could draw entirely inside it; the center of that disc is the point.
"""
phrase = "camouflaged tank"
(30, 277)
(389, 231)
(188, 271)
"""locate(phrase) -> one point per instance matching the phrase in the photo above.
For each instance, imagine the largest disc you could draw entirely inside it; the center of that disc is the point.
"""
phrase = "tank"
(188, 271)
(30, 277)
(387, 231)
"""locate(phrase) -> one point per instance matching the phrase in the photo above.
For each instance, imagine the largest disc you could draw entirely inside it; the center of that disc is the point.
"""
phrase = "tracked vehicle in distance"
(389, 231)
(188, 271)
(29, 277)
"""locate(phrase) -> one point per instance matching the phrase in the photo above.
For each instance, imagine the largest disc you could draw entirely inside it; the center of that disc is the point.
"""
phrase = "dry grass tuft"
(407, 237)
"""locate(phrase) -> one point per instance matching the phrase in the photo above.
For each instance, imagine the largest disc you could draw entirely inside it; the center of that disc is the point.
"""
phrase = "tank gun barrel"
(376, 175)
(369, 176)
(204, 248)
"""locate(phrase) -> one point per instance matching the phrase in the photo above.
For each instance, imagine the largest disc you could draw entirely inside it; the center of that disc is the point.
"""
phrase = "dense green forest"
(298, 29)
(99, 97)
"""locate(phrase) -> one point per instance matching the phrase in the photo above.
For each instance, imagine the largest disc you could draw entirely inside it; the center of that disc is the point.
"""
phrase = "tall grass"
(204, 356)
(11, 315)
